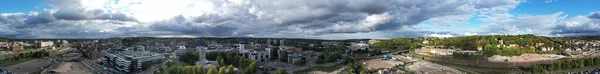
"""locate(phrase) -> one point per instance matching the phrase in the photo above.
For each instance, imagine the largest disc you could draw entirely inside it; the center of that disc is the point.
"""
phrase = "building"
(435, 50)
(281, 42)
(330, 43)
(425, 42)
(358, 46)
(374, 41)
(282, 55)
(243, 47)
(16, 48)
(291, 55)
(470, 52)
(89, 49)
(269, 42)
(42, 44)
(294, 58)
(130, 61)
(259, 55)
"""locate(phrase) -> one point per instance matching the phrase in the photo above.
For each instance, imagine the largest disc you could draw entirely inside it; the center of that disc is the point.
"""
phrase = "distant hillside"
(487, 42)
(578, 37)
(3, 39)
(491, 45)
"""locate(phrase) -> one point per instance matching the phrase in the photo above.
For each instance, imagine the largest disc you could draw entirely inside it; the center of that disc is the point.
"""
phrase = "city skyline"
(312, 19)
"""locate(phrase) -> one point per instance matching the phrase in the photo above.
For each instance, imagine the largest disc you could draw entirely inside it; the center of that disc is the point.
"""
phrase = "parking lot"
(28, 66)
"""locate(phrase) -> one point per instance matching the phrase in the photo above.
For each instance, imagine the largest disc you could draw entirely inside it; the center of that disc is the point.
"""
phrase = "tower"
(281, 43)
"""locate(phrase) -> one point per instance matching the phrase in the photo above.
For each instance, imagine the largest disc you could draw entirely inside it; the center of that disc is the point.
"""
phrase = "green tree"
(189, 70)
(251, 69)
(364, 72)
(559, 66)
(580, 63)
(538, 69)
(597, 61)
(552, 67)
(222, 70)
(222, 62)
(199, 69)
(354, 68)
(230, 69)
(281, 71)
(212, 70)
(190, 57)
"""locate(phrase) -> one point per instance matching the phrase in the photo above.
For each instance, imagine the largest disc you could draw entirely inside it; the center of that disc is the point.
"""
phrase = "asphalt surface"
(28, 66)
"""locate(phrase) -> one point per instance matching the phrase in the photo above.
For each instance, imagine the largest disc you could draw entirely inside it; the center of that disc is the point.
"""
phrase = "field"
(72, 68)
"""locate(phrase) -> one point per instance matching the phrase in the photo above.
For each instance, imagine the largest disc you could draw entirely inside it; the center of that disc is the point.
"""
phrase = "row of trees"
(398, 44)
(198, 70)
(33, 54)
(190, 57)
(229, 58)
(506, 51)
(225, 59)
(472, 42)
(3, 40)
(328, 57)
(490, 44)
(355, 68)
(568, 64)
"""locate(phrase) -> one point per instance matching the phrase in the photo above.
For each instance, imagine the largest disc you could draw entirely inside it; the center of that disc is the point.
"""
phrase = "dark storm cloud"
(595, 16)
(581, 25)
(184, 26)
(45, 25)
(318, 16)
(587, 28)
(307, 18)
(41, 18)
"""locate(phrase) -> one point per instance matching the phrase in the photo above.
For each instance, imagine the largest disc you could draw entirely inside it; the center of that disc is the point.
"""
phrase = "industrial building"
(129, 61)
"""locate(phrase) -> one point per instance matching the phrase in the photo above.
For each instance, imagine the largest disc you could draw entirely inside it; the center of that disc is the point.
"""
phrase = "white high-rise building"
(281, 43)
(268, 41)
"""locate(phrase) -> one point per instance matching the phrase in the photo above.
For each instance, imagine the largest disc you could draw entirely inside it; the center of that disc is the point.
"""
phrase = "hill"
(490, 45)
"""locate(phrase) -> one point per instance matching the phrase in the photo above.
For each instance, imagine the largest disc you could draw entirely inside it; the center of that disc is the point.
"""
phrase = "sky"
(313, 19)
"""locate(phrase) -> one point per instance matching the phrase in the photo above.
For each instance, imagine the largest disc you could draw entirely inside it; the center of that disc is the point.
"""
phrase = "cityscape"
(299, 37)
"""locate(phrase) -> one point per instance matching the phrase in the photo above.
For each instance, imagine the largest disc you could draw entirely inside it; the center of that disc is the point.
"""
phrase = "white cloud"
(469, 34)
(441, 35)
(521, 24)
(549, 1)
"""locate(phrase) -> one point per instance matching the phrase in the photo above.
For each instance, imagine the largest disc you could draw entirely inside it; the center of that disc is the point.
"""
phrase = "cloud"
(451, 20)
(549, 1)
(495, 6)
(595, 16)
(522, 24)
(262, 18)
(579, 25)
